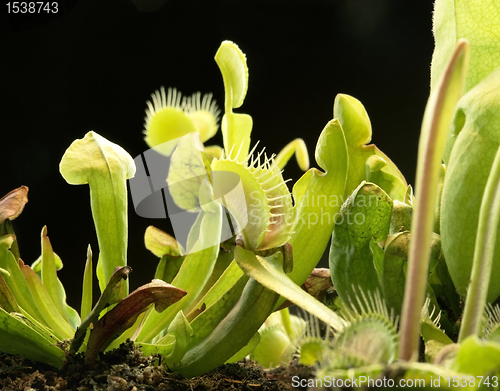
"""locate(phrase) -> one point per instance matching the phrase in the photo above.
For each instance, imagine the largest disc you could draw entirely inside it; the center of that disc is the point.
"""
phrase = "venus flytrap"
(236, 128)
(247, 253)
(181, 116)
(451, 360)
(275, 223)
(271, 228)
(278, 337)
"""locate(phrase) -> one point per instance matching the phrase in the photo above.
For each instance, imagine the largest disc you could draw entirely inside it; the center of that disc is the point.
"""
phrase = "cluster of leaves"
(442, 244)
(249, 251)
(213, 308)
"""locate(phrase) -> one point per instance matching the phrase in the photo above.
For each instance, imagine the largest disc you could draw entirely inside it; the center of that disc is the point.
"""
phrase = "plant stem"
(435, 125)
(489, 217)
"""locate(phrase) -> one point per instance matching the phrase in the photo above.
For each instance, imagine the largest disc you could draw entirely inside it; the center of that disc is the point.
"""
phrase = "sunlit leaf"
(19, 337)
(105, 166)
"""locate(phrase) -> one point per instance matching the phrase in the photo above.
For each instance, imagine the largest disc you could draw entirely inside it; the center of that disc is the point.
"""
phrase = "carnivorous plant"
(404, 266)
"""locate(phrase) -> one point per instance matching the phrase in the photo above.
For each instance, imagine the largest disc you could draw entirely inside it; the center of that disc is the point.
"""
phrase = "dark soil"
(124, 369)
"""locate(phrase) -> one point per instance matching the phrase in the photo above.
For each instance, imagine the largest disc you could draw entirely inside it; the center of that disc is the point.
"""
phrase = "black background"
(93, 66)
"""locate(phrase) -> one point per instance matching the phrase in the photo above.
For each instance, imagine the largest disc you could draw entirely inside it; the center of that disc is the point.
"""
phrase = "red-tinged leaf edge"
(124, 314)
(12, 204)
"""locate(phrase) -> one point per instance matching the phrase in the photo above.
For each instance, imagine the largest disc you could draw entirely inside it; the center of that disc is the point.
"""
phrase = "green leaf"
(354, 120)
(189, 167)
(442, 285)
(236, 128)
(477, 357)
(233, 66)
(395, 266)
(182, 331)
(16, 282)
(297, 146)
(6, 229)
(168, 249)
(375, 172)
(478, 21)
(20, 337)
(365, 217)
(234, 331)
(86, 305)
(274, 343)
(52, 317)
(49, 274)
(318, 197)
(431, 332)
(246, 350)
(401, 217)
(105, 167)
(487, 233)
(269, 272)
(224, 261)
(217, 304)
(231, 275)
(192, 276)
(394, 271)
(160, 243)
(7, 299)
(37, 265)
(476, 129)
(72, 314)
(168, 267)
(149, 349)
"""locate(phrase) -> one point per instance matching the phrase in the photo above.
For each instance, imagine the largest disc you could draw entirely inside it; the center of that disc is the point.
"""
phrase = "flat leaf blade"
(272, 276)
(16, 337)
(51, 316)
(478, 21)
(49, 274)
(318, 196)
